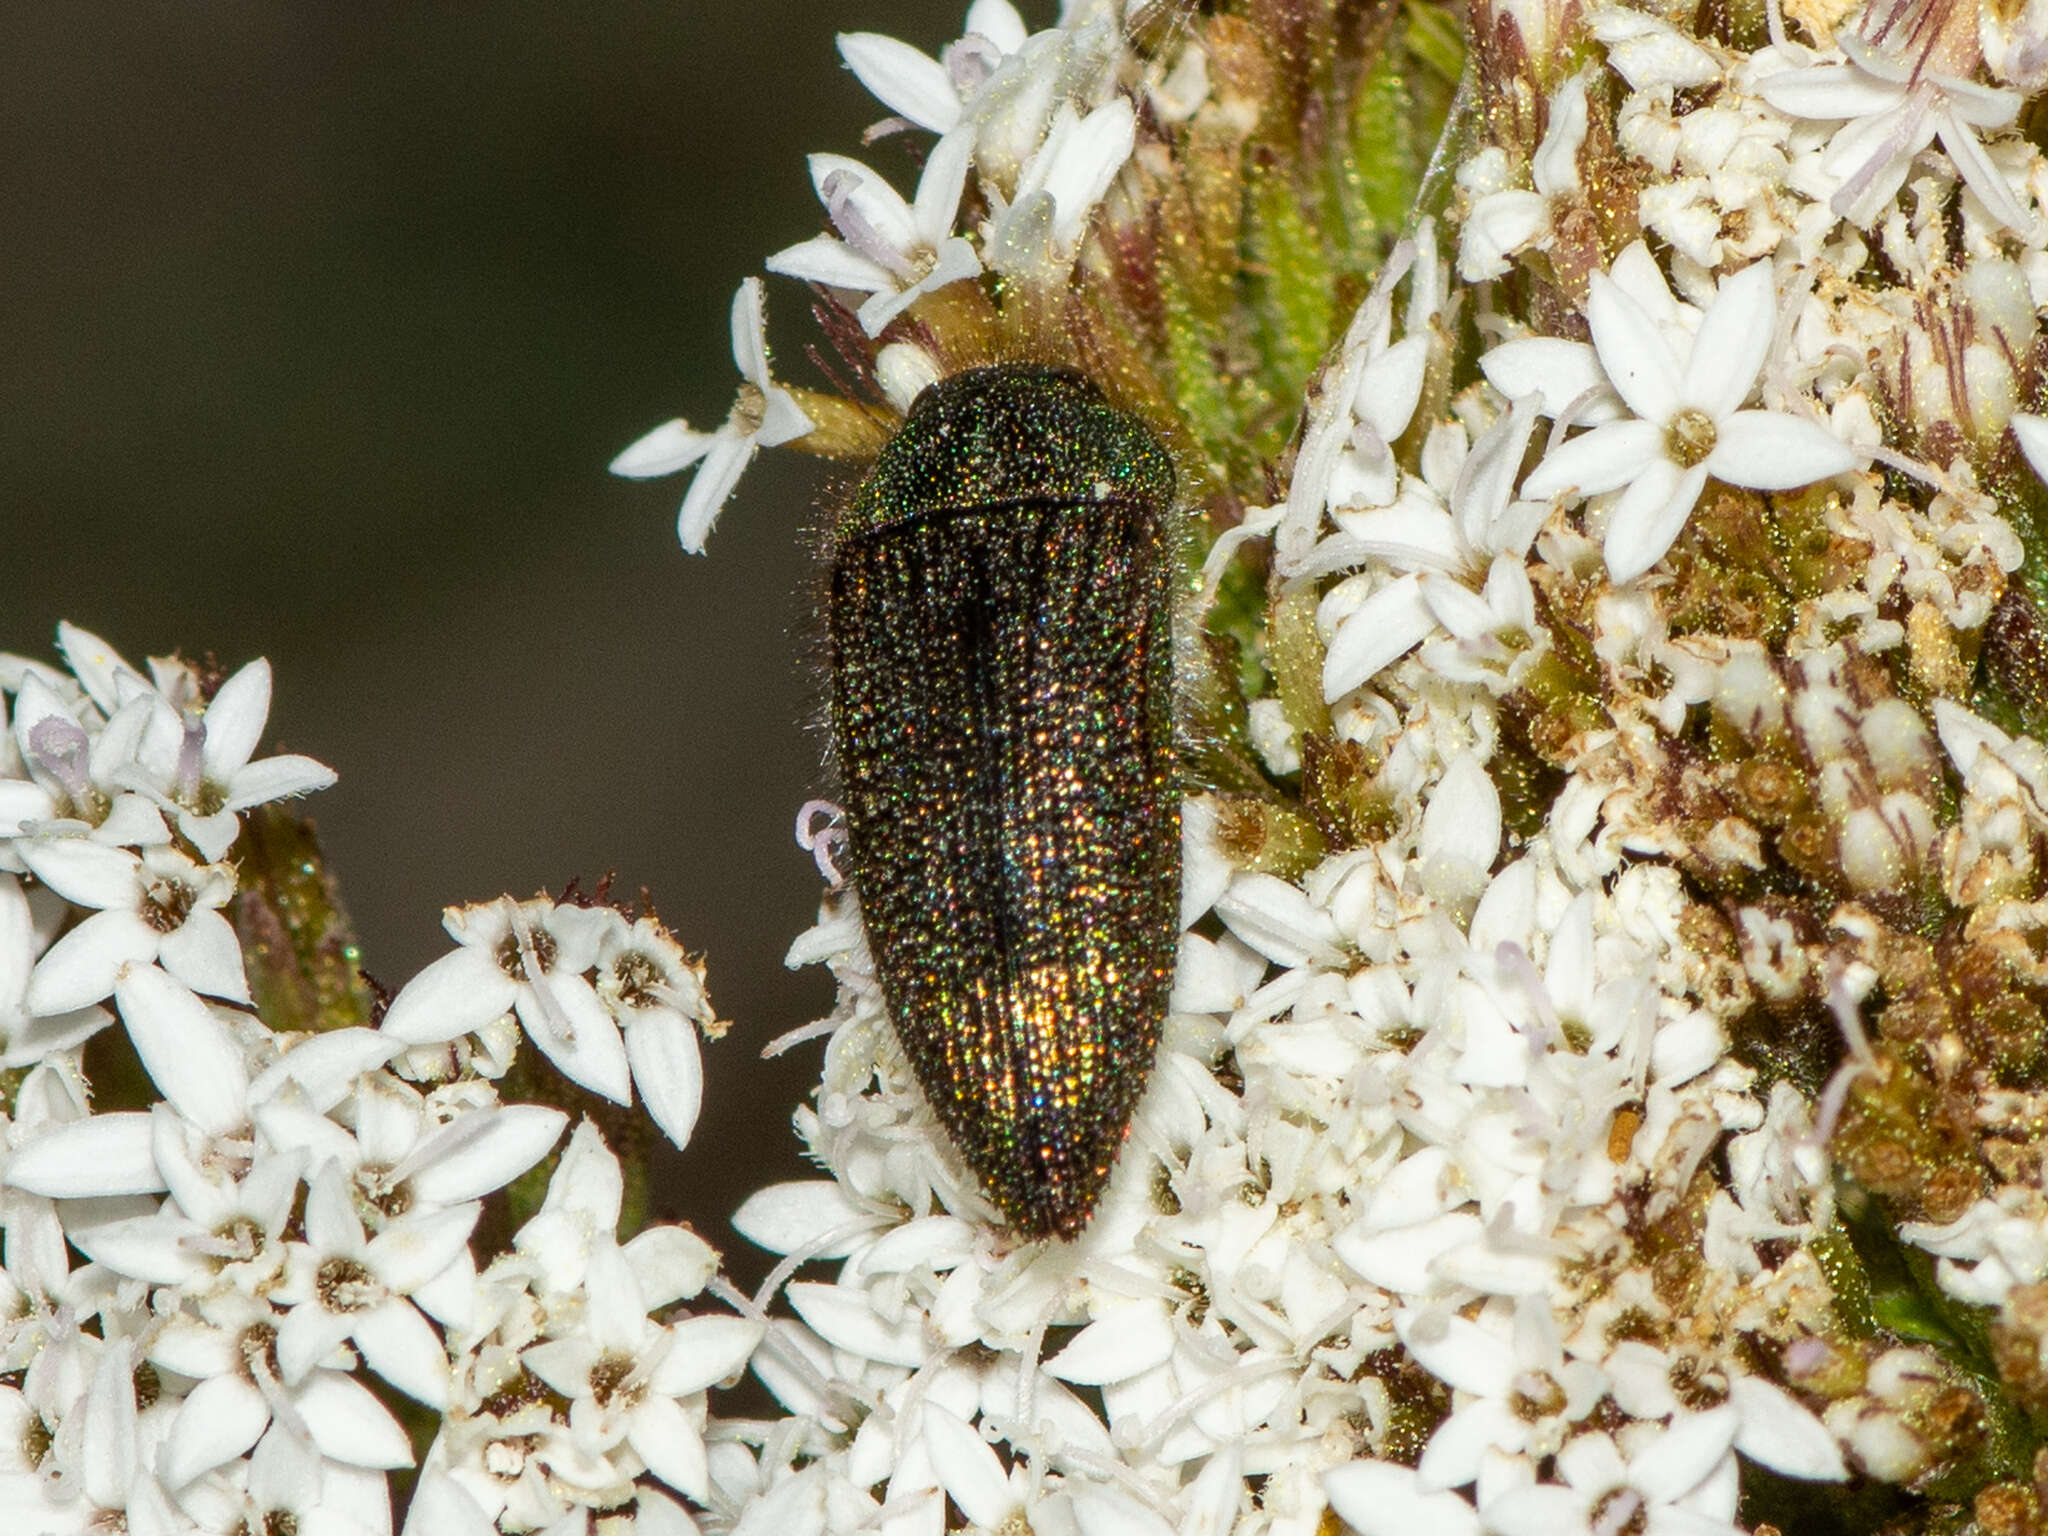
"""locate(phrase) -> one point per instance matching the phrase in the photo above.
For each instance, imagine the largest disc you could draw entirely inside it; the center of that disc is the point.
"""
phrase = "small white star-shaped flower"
(1481, 539)
(764, 416)
(1668, 1487)
(657, 996)
(1890, 110)
(893, 251)
(1686, 393)
(229, 1350)
(342, 1285)
(76, 779)
(154, 908)
(528, 958)
(214, 781)
(623, 1373)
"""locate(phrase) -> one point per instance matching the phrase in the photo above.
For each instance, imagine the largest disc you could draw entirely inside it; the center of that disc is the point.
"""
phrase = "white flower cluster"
(215, 1296)
(1037, 117)
(1451, 1205)
(1373, 1122)
(1416, 1109)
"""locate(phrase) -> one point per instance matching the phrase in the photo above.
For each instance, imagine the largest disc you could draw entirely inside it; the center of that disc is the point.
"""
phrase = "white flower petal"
(1377, 1498)
(1500, 224)
(671, 1264)
(414, 1249)
(1771, 451)
(219, 1420)
(1464, 1355)
(669, 447)
(614, 1316)
(506, 1142)
(1380, 631)
(1455, 1452)
(212, 835)
(460, 992)
(563, 1364)
(306, 1337)
(401, 1346)
(877, 209)
(109, 1154)
(661, 1047)
(134, 823)
(750, 331)
(284, 777)
(1649, 517)
(843, 1318)
(1280, 921)
(1829, 92)
(954, 262)
(939, 187)
(1733, 339)
(23, 801)
(703, 1352)
(592, 1056)
(1390, 385)
(1100, 1511)
(785, 1217)
(1555, 165)
(1461, 825)
(111, 1454)
(908, 83)
(1121, 1342)
(325, 1066)
(834, 263)
(97, 665)
(782, 419)
(2031, 433)
(1401, 1259)
(234, 721)
(671, 1445)
(349, 1425)
(1557, 371)
(1544, 1510)
(332, 1225)
(80, 968)
(1650, 53)
(450, 1298)
(186, 1051)
(1603, 459)
(1781, 1433)
(1484, 489)
(84, 871)
(1979, 172)
(728, 458)
(442, 1507)
(998, 21)
(1680, 1459)
(151, 1248)
(966, 1467)
(1634, 350)
(205, 955)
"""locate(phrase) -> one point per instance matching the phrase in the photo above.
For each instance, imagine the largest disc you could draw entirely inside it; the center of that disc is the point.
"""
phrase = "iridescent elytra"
(1000, 601)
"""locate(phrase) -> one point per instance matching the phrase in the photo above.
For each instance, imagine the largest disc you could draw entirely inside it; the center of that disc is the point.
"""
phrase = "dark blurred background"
(322, 322)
